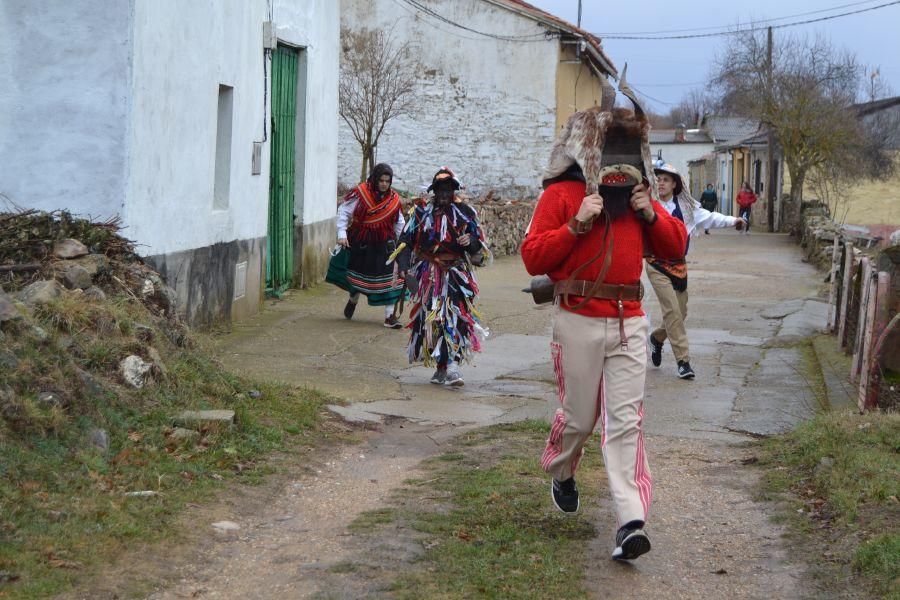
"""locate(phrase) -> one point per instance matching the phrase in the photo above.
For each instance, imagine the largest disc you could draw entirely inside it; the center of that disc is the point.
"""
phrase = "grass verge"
(482, 512)
(75, 441)
(839, 475)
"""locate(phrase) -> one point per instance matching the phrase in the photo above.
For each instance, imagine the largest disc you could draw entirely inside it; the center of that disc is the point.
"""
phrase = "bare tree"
(806, 97)
(868, 156)
(377, 81)
(691, 109)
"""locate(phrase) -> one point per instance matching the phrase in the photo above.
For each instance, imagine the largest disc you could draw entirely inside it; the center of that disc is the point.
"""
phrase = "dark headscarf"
(379, 170)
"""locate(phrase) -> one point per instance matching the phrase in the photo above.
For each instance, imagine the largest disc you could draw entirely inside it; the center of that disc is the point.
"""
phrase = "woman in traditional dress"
(368, 223)
(447, 242)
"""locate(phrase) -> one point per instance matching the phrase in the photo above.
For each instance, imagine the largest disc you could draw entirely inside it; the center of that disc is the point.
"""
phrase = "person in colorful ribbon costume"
(669, 277)
(368, 223)
(447, 242)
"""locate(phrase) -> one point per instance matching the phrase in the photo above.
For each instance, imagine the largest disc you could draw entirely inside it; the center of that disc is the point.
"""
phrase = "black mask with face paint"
(443, 192)
(616, 200)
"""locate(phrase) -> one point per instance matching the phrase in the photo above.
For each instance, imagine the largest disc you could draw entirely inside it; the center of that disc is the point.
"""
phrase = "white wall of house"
(115, 107)
(314, 25)
(680, 154)
(65, 77)
(183, 52)
(484, 107)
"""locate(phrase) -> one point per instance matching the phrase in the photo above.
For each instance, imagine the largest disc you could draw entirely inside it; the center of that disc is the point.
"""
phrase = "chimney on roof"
(679, 132)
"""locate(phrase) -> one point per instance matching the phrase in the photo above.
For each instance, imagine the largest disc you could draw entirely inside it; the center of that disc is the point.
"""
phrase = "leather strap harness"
(588, 290)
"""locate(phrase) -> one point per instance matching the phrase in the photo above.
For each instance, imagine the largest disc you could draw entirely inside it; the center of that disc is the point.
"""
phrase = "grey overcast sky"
(663, 70)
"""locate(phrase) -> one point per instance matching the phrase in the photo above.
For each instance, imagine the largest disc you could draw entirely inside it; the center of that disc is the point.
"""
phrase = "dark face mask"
(616, 200)
(443, 197)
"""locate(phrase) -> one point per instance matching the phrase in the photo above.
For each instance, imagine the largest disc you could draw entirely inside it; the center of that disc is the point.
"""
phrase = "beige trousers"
(599, 381)
(674, 312)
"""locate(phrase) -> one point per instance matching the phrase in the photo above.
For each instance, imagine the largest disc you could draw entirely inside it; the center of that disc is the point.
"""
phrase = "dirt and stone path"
(752, 299)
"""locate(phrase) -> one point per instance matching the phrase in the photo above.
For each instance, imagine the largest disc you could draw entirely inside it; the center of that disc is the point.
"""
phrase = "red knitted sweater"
(551, 249)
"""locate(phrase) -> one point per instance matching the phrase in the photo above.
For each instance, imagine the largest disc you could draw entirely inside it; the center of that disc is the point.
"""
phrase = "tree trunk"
(798, 178)
(371, 157)
(367, 153)
(362, 169)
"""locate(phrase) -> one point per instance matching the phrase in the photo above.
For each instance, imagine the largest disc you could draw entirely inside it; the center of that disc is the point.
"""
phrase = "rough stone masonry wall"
(504, 224)
(504, 221)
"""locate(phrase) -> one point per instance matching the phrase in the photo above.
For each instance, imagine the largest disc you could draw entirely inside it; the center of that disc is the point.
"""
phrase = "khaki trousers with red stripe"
(600, 382)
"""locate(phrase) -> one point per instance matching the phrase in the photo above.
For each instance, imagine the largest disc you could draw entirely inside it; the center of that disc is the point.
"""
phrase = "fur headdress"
(602, 136)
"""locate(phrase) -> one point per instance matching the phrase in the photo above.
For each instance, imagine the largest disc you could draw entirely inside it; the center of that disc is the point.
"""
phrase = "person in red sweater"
(746, 199)
(580, 234)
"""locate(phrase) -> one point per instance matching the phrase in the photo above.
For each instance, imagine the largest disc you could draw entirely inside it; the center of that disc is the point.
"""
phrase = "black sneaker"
(349, 309)
(392, 323)
(565, 495)
(655, 351)
(684, 370)
(631, 542)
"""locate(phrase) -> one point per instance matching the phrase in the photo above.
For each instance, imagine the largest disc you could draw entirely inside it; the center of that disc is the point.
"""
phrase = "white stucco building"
(498, 80)
(678, 147)
(161, 112)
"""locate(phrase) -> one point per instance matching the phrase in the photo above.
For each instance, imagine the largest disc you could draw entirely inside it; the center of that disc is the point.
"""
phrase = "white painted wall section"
(484, 107)
(65, 81)
(680, 154)
(183, 52)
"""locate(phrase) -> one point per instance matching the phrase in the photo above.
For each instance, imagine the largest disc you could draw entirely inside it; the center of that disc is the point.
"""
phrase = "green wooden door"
(280, 248)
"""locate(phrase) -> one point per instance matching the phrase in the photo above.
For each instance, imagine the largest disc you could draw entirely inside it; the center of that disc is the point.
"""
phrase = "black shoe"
(439, 377)
(565, 495)
(392, 323)
(655, 351)
(684, 370)
(349, 309)
(631, 542)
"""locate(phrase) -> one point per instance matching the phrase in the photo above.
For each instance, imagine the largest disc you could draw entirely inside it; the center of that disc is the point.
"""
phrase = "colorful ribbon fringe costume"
(445, 325)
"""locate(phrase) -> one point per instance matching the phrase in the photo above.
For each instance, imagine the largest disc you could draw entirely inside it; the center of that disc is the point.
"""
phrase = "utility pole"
(579, 14)
(770, 142)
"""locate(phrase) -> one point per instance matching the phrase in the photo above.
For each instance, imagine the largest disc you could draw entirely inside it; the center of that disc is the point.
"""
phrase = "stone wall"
(482, 106)
(504, 224)
(503, 221)
(818, 232)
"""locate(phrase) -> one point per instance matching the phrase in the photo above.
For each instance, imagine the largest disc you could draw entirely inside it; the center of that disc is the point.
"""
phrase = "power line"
(747, 29)
(413, 11)
(533, 37)
(649, 97)
(720, 27)
(669, 84)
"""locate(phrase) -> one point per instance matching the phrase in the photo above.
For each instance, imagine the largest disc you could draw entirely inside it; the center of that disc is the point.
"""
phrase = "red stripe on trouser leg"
(554, 441)
(642, 476)
(556, 354)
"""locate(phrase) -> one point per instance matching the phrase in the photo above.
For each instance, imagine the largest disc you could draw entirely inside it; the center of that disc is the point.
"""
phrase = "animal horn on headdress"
(608, 95)
(629, 93)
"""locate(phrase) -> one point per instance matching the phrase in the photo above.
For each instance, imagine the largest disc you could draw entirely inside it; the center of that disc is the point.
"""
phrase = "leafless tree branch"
(377, 85)
(806, 100)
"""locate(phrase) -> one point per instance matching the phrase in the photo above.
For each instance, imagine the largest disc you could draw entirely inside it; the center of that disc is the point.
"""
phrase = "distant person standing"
(709, 201)
(745, 199)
